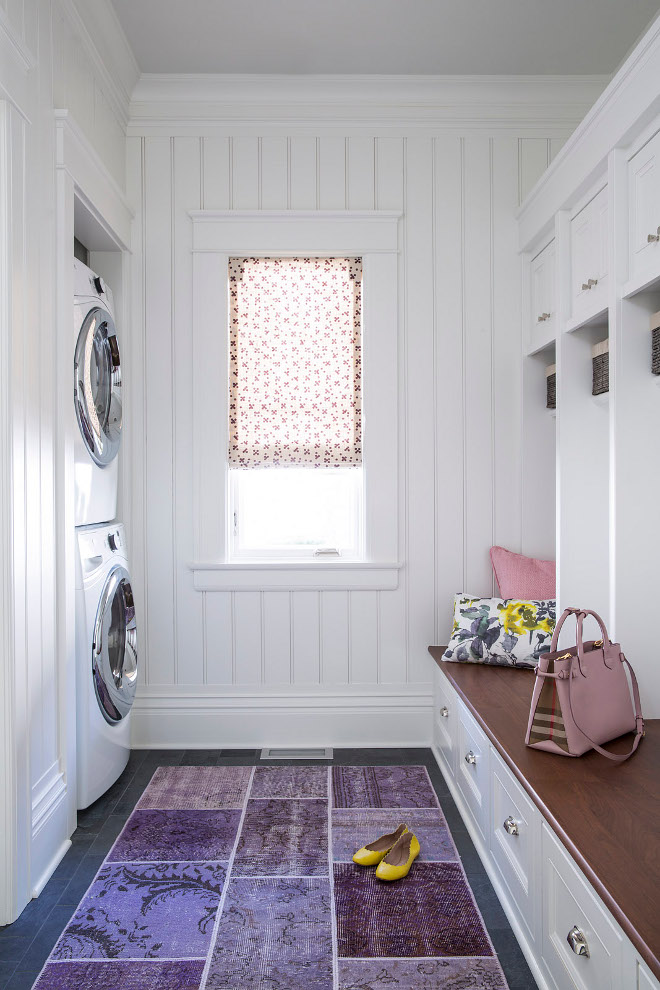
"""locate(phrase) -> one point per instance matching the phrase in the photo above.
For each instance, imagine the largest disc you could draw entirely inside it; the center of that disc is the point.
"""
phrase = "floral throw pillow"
(505, 631)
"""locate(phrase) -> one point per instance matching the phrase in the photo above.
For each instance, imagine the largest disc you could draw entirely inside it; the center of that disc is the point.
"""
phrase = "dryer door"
(97, 386)
(114, 649)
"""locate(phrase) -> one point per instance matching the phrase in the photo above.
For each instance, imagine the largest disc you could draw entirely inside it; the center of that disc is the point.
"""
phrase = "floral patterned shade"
(295, 383)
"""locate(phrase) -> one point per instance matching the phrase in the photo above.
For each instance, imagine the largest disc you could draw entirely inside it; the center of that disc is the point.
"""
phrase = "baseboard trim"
(167, 718)
(500, 890)
(50, 869)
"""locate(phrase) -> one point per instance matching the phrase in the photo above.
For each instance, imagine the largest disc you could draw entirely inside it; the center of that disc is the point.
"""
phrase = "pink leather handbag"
(581, 697)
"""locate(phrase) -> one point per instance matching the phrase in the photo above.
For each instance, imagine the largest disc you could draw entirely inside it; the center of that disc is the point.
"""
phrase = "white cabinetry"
(581, 947)
(553, 910)
(542, 297)
(644, 193)
(589, 259)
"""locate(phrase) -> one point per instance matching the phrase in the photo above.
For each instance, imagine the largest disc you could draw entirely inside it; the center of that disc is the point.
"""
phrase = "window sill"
(296, 576)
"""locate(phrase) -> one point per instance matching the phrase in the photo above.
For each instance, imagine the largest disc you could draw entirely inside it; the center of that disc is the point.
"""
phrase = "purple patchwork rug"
(234, 878)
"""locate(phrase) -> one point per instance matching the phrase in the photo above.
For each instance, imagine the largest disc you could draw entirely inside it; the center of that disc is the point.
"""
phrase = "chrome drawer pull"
(577, 942)
(470, 758)
(654, 237)
(510, 826)
(592, 282)
(444, 711)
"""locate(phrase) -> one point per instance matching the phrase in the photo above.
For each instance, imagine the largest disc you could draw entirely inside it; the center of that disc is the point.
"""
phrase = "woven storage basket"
(655, 343)
(600, 358)
(551, 386)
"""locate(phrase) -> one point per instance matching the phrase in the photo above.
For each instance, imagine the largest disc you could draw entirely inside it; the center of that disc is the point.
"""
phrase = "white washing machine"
(106, 658)
(97, 398)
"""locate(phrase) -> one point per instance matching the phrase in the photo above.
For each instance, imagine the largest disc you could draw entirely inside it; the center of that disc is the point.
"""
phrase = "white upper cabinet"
(542, 297)
(589, 259)
(644, 185)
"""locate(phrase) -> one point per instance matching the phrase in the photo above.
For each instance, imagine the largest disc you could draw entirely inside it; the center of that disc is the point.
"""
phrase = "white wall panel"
(332, 172)
(458, 437)
(159, 419)
(186, 195)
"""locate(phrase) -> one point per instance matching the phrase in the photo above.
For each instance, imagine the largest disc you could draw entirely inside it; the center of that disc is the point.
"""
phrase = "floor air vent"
(275, 753)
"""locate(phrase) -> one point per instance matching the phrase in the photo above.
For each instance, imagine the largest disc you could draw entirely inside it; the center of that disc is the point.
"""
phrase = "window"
(354, 467)
(295, 408)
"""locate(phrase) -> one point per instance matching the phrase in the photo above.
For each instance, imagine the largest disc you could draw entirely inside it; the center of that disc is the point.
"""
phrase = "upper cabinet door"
(589, 259)
(542, 297)
(644, 184)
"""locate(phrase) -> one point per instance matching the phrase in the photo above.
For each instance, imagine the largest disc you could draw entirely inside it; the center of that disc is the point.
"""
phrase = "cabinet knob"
(577, 942)
(543, 317)
(592, 282)
(470, 758)
(586, 285)
(444, 711)
(511, 826)
(653, 237)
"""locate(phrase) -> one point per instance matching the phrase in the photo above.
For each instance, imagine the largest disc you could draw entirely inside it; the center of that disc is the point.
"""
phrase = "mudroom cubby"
(590, 245)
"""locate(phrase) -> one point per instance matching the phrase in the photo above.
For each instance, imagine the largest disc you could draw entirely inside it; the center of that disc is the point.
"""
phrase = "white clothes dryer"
(97, 390)
(106, 658)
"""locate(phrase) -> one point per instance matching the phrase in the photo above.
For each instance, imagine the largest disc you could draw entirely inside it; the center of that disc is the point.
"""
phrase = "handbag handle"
(639, 721)
(580, 614)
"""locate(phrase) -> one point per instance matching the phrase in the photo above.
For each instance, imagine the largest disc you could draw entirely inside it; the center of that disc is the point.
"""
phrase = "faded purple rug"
(234, 878)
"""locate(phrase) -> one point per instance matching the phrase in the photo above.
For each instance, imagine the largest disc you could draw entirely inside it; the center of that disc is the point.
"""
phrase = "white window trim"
(217, 236)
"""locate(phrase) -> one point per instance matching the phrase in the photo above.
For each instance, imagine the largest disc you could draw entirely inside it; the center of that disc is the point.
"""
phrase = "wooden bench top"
(606, 814)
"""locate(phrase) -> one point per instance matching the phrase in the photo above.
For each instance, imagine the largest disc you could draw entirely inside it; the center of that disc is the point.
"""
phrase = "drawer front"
(570, 906)
(472, 769)
(644, 188)
(515, 826)
(645, 981)
(542, 295)
(589, 257)
(445, 718)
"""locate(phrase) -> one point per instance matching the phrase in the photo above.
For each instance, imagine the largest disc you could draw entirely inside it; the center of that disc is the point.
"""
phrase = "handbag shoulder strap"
(639, 721)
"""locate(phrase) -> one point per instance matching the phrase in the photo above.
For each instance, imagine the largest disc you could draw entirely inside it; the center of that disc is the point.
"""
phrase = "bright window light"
(296, 512)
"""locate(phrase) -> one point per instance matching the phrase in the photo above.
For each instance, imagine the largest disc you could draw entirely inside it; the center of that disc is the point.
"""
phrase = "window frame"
(217, 236)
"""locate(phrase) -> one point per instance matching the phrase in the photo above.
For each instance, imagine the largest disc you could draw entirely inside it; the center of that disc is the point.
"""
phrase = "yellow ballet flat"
(397, 862)
(372, 853)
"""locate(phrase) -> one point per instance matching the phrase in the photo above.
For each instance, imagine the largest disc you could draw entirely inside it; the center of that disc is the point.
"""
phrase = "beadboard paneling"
(459, 475)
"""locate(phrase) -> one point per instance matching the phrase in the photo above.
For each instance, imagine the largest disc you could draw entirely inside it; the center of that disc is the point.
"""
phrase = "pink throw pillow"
(523, 577)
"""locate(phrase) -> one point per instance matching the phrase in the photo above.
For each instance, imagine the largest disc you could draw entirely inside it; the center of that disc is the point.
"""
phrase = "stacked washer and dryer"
(106, 637)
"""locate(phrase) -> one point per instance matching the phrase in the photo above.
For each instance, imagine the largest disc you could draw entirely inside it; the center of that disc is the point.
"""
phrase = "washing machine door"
(97, 385)
(114, 649)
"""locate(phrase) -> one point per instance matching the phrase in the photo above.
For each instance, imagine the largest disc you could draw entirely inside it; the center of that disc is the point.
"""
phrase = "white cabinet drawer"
(542, 296)
(569, 905)
(472, 769)
(445, 718)
(589, 257)
(644, 199)
(515, 843)
(645, 980)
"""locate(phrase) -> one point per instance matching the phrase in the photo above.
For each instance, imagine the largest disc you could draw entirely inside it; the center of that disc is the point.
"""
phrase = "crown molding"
(624, 109)
(104, 42)
(189, 102)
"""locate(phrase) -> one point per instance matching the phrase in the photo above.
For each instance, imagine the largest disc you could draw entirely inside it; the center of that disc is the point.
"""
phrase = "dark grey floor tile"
(36, 912)
(201, 757)
(126, 803)
(80, 881)
(231, 754)
(512, 961)
(106, 837)
(6, 969)
(489, 905)
(13, 947)
(22, 979)
(42, 944)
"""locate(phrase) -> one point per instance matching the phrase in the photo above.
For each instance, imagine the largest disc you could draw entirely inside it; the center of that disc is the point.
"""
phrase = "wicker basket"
(600, 358)
(655, 343)
(551, 386)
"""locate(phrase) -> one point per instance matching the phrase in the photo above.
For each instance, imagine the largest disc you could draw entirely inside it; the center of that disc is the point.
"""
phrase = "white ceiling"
(384, 36)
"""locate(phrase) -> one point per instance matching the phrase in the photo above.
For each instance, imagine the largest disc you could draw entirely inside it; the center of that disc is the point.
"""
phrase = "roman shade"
(295, 362)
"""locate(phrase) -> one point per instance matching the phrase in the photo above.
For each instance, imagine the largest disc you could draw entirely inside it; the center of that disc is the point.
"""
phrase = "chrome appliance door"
(97, 386)
(114, 650)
